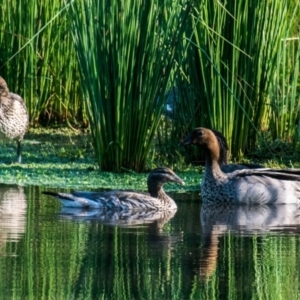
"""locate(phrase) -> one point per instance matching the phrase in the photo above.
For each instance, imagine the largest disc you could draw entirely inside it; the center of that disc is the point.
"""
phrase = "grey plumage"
(157, 199)
(14, 117)
(247, 186)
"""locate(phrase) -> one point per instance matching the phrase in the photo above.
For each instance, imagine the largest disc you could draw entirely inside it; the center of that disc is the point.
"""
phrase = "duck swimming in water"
(157, 199)
(14, 118)
(247, 186)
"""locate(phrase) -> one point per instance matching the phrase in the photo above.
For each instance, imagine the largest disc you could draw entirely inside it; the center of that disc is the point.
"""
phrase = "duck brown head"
(206, 139)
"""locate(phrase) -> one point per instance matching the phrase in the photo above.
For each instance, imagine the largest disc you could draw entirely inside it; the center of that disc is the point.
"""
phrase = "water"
(199, 253)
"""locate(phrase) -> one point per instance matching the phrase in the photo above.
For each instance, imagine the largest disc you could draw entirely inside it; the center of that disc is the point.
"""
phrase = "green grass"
(64, 158)
(61, 158)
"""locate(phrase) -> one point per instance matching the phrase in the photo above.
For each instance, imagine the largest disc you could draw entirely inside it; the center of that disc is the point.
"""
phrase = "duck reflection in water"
(219, 220)
(13, 207)
(120, 218)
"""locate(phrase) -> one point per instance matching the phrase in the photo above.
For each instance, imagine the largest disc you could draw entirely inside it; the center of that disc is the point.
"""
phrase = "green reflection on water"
(45, 255)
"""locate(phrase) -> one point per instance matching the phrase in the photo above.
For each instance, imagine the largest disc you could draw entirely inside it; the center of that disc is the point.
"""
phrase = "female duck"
(247, 186)
(14, 117)
(157, 199)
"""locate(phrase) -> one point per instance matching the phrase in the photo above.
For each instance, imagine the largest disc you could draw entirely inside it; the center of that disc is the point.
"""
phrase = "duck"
(14, 118)
(156, 199)
(244, 186)
(223, 158)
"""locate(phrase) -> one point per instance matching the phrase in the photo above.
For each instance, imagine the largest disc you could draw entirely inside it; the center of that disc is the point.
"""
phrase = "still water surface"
(198, 253)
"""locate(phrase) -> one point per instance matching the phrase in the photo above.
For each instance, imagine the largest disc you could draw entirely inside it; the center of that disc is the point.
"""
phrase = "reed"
(284, 94)
(38, 60)
(231, 65)
(126, 51)
(231, 62)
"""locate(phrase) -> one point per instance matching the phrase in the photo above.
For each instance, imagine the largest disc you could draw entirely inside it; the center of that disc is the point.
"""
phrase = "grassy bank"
(64, 158)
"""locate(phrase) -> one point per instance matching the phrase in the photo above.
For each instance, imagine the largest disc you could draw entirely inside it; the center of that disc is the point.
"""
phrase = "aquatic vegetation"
(65, 159)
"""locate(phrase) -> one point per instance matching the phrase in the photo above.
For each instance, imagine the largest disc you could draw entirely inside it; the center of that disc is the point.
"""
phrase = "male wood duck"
(246, 186)
(14, 117)
(157, 199)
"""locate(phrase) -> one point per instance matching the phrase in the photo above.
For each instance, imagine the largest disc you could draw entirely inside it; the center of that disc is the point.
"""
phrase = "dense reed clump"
(284, 123)
(38, 59)
(225, 78)
(126, 51)
(230, 66)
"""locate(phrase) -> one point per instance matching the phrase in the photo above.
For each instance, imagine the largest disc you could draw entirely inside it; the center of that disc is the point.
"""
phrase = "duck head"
(3, 87)
(206, 139)
(158, 177)
(162, 175)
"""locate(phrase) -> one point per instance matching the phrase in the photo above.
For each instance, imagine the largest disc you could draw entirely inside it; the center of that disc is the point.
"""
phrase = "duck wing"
(123, 200)
(229, 168)
(281, 174)
(265, 186)
(16, 97)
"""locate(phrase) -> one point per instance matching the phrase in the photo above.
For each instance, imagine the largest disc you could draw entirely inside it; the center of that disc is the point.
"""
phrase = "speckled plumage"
(247, 186)
(14, 117)
(157, 199)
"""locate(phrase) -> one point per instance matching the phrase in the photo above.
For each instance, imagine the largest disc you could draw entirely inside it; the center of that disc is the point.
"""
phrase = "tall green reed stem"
(284, 98)
(125, 50)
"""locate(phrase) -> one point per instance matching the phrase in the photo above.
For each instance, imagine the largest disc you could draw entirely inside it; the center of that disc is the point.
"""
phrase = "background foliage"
(240, 75)
(143, 74)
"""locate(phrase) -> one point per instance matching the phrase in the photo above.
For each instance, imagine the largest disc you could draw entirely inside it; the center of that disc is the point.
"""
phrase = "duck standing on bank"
(247, 186)
(14, 118)
(157, 199)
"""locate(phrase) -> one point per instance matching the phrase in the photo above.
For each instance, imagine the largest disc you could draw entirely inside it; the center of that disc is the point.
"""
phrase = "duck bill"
(186, 141)
(181, 182)
(178, 180)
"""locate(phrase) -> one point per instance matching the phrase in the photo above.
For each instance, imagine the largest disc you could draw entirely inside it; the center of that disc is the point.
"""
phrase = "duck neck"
(212, 165)
(157, 191)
